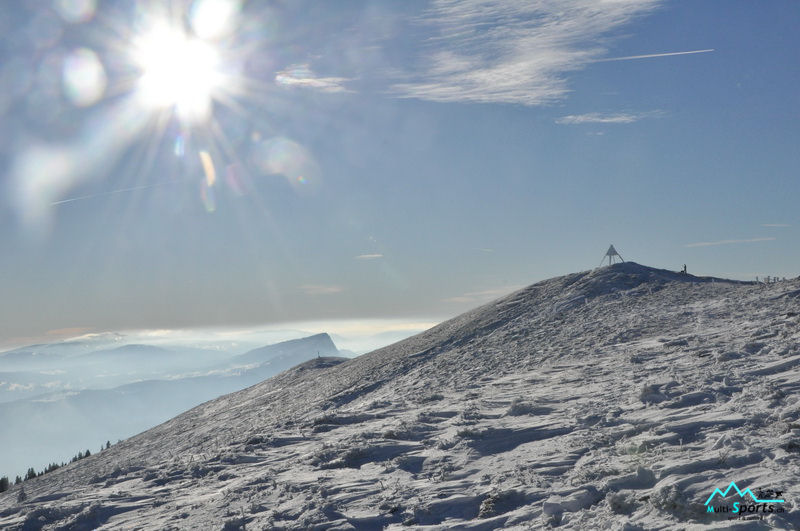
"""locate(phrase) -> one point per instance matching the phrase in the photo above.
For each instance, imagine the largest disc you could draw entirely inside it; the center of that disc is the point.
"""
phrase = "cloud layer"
(606, 118)
(502, 51)
(728, 242)
(301, 76)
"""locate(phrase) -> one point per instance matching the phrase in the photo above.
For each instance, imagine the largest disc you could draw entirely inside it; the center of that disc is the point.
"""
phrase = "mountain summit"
(619, 397)
(322, 344)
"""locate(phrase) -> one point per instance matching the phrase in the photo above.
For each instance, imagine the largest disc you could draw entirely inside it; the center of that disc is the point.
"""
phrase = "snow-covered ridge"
(620, 396)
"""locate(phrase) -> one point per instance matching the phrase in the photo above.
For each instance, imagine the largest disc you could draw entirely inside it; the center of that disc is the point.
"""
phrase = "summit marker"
(611, 254)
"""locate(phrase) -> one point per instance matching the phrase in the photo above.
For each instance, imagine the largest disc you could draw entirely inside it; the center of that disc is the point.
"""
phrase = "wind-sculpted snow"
(614, 399)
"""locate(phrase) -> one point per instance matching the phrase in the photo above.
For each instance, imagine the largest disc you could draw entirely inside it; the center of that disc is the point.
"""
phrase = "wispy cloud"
(320, 289)
(11, 386)
(302, 76)
(369, 256)
(775, 225)
(728, 242)
(606, 118)
(482, 296)
(651, 55)
(512, 51)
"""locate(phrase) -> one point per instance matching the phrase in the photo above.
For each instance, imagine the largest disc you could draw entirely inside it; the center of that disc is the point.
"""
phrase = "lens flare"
(282, 156)
(84, 78)
(208, 168)
(213, 19)
(75, 11)
(175, 60)
(179, 147)
(233, 177)
(207, 195)
(43, 174)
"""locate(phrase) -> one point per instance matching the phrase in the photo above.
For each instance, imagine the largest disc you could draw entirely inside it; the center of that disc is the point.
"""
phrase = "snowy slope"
(613, 399)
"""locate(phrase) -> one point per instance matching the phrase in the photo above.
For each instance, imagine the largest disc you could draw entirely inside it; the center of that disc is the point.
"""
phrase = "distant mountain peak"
(320, 344)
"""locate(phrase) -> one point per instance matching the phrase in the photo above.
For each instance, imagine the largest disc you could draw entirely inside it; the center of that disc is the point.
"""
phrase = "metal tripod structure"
(611, 254)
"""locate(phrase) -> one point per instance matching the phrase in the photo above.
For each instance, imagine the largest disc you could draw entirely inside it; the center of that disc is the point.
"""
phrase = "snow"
(613, 399)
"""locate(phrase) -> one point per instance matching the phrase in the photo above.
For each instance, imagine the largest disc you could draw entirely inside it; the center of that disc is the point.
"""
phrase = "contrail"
(71, 199)
(647, 56)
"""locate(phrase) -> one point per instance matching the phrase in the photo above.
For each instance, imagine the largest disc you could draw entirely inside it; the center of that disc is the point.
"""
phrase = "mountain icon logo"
(741, 494)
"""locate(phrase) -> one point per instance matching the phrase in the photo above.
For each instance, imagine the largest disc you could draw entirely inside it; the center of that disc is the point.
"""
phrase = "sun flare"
(178, 71)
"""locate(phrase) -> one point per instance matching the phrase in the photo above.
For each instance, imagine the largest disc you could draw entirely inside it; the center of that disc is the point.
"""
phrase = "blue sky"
(332, 160)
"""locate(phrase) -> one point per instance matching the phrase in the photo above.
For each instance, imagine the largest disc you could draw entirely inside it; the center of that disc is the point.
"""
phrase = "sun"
(177, 71)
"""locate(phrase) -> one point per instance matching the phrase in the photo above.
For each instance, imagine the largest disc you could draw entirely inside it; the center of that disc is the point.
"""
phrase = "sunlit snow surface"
(613, 399)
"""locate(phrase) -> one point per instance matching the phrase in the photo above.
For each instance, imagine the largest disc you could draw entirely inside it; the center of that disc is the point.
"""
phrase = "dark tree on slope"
(3, 484)
(30, 474)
